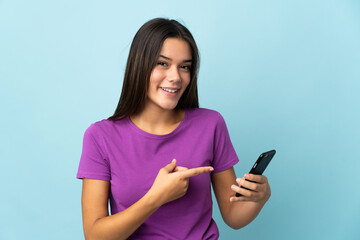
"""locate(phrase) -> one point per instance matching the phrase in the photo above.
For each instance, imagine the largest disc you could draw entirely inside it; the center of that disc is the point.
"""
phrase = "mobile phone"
(260, 165)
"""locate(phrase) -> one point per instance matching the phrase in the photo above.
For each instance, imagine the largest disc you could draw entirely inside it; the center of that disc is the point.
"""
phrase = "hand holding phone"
(260, 165)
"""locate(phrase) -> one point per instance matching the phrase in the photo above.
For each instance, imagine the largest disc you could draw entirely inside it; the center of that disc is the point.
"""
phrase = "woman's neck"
(158, 121)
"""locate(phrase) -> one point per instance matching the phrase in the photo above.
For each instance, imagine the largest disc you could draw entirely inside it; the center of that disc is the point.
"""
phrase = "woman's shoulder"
(105, 126)
(203, 111)
(203, 114)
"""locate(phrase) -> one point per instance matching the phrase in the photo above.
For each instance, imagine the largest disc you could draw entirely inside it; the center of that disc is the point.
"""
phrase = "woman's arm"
(171, 183)
(96, 220)
(237, 212)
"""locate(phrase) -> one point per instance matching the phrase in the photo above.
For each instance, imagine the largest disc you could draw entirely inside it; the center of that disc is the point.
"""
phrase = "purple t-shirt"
(131, 158)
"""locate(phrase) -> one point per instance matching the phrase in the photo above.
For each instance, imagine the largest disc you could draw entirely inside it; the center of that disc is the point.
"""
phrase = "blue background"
(284, 74)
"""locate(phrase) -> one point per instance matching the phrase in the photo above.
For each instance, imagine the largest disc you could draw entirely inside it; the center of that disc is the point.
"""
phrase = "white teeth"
(169, 90)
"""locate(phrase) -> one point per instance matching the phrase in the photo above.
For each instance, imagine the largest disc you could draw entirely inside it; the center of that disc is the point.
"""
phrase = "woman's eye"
(186, 67)
(162, 64)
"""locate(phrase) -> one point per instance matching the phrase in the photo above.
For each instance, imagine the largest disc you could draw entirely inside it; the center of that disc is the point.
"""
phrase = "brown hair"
(143, 56)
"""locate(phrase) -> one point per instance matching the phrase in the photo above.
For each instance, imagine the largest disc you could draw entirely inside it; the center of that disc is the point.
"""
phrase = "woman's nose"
(174, 75)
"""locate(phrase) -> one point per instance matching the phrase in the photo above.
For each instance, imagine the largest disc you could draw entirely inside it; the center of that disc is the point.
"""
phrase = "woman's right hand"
(172, 182)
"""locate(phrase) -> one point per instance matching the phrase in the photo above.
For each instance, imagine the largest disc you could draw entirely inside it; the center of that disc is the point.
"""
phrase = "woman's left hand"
(259, 189)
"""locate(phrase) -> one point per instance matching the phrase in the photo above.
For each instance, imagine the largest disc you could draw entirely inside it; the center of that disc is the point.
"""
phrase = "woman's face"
(171, 75)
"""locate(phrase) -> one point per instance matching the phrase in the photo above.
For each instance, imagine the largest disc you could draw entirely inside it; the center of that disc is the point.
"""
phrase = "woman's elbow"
(235, 224)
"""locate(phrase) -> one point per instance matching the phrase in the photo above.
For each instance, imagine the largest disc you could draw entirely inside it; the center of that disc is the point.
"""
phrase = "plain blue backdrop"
(284, 74)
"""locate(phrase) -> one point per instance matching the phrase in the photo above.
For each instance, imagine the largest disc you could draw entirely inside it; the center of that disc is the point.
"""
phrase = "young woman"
(157, 156)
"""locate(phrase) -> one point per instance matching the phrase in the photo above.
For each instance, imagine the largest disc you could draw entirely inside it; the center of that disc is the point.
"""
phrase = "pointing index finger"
(196, 171)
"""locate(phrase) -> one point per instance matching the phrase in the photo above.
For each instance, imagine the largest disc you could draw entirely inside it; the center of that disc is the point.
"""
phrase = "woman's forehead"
(176, 49)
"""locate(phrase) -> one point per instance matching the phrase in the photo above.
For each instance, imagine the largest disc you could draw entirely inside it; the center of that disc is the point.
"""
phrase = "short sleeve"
(224, 152)
(93, 161)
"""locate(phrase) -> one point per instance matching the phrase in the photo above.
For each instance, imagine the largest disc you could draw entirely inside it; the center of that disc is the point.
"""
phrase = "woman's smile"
(170, 90)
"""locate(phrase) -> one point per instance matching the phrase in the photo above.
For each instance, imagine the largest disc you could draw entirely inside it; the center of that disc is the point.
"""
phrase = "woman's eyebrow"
(167, 58)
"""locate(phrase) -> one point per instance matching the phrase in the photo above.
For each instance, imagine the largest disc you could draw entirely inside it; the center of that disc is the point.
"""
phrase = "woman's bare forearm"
(242, 213)
(121, 225)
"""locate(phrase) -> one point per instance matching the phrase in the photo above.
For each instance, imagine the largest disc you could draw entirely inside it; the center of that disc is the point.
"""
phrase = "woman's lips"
(169, 93)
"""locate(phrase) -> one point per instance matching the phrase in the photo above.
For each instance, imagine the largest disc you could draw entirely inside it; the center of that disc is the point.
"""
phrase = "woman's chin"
(164, 105)
(169, 106)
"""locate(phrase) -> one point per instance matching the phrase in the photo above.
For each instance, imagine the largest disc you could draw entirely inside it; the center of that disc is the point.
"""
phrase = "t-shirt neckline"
(147, 134)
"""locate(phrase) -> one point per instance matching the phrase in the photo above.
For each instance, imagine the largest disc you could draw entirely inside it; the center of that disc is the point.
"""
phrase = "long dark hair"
(143, 56)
